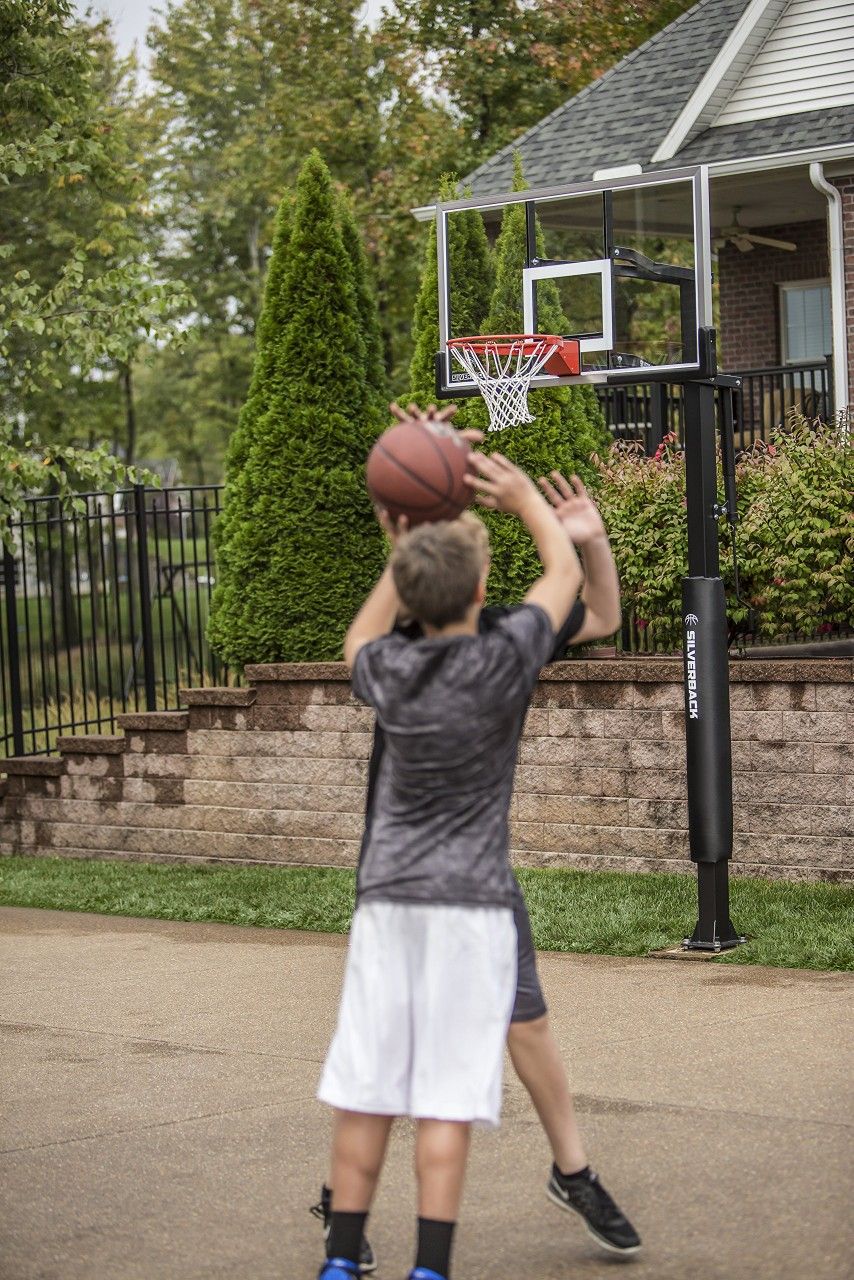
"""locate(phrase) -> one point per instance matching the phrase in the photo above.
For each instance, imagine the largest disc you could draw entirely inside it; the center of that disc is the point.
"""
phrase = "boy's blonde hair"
(437, 567)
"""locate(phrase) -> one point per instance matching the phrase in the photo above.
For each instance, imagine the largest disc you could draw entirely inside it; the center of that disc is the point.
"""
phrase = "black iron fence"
(104, 611)
(763, 404)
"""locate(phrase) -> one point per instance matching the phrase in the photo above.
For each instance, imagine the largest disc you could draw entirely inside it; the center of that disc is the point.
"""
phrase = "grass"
(801, 926)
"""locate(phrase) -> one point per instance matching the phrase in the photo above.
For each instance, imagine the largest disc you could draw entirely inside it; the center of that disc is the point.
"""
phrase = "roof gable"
(735, 57)
(806, 63)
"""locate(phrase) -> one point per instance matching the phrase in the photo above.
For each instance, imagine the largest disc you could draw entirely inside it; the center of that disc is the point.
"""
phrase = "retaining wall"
(275, 773)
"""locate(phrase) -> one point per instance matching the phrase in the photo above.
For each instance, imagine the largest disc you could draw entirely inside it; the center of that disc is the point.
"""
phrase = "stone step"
(225, 696)
(191, 817)
(92, 744)
(295, 849)
(153, 721)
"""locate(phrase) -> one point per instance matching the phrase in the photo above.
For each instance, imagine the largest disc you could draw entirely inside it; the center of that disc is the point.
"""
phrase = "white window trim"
(782, 288)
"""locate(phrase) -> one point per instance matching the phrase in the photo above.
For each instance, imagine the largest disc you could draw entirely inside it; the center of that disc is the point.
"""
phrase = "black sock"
(345, 1235)
(581, 1174)
(434, 1245)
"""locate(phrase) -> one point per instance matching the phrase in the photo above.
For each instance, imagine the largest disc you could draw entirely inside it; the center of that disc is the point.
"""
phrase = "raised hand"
(501, 485)
(413, 413)
(574, 508)
(393, 529)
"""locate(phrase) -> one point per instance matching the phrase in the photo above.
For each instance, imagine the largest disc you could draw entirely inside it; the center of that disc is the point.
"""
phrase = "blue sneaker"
(338, 1269)
(424, 1273)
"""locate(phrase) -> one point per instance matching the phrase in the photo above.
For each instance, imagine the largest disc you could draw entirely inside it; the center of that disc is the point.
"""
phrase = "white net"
(503, 368)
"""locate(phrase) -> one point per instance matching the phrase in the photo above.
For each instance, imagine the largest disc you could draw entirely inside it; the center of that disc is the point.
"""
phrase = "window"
(805, 321)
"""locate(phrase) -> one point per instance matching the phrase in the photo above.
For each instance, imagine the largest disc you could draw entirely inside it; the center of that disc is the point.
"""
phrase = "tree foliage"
(505, 64)
(78, 297)
(298, 546)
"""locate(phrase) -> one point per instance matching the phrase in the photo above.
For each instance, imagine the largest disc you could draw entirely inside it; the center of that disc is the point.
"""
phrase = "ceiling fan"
(745, 241)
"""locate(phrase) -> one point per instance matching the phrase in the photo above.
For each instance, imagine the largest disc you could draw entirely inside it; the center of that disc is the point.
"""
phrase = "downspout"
(837, 283)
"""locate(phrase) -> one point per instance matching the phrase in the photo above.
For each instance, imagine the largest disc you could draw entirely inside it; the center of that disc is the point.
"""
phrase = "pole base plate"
(715, 943)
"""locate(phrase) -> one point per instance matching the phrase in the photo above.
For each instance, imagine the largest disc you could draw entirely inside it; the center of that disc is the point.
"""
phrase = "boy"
(533, 1049)
(431, 971)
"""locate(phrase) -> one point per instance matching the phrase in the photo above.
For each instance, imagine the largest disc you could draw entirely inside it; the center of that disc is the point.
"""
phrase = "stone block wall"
(275, 773)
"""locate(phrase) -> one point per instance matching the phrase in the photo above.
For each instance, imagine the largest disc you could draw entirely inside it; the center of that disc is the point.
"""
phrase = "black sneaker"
(323, 1210)
(586, 1196)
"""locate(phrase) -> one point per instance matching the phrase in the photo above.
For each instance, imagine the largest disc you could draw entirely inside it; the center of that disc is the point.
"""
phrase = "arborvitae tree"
(298, 546)
(270, 326)
(472, 276)
(567, 426)
(366, 301)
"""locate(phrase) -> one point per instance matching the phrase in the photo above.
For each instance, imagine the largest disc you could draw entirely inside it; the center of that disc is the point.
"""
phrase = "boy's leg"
(441, 1153)
(359, 1144)
(537, 1062)
(534, 1052)
(358, 1149)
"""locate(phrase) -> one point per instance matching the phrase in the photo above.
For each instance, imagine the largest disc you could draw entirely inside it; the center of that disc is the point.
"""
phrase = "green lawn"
(804, 926)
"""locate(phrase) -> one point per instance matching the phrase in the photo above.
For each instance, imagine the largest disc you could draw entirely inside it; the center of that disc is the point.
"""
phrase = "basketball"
(417, 470)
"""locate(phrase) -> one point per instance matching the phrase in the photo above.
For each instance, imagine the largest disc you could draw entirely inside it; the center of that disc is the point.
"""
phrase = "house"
(762, 92)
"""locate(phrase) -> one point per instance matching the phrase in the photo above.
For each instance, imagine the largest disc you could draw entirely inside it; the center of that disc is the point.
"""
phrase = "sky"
(131, 18)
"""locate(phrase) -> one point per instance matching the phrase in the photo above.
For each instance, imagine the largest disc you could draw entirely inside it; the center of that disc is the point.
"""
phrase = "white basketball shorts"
(428, 993)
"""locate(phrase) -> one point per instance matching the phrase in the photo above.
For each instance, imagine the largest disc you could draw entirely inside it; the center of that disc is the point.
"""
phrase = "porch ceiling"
(766, 199)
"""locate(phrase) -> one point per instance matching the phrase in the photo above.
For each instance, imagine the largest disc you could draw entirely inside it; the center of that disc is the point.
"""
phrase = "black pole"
(659, 394)
(15, 695)
(705, 655)
(144, 597)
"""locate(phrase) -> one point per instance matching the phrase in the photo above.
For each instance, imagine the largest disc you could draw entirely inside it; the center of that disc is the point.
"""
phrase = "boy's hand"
(574, 508)
(393, 529)
(412, 413)
(501, 485)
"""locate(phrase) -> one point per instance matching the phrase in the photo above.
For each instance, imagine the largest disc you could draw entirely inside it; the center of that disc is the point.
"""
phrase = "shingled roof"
(623, 117)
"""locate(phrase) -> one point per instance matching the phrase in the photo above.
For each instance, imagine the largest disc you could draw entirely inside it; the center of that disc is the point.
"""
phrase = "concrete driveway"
(160, 1122)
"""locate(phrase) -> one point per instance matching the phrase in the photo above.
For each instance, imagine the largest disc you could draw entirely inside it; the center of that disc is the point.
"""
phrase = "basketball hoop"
(504, 364)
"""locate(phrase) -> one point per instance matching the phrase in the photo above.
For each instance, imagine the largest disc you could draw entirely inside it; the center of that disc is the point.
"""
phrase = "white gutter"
(724, 168)
(837, 283)
(781, 160)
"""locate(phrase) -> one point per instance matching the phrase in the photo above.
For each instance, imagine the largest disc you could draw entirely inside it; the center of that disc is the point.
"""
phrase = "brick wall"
(275, 773)
(846, 188)
(749, 299)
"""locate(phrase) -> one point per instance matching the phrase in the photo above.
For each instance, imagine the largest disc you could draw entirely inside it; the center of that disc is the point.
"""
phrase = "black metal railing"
(104, 611)
(764, 402)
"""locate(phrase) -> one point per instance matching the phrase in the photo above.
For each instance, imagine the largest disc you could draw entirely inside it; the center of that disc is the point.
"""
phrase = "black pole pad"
(707, 719)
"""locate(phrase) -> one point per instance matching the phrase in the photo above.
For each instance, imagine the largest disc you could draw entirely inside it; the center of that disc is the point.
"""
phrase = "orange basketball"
(417, 469)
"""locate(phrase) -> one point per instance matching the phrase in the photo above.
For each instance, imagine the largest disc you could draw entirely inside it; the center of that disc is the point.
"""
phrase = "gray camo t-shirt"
(451, 710)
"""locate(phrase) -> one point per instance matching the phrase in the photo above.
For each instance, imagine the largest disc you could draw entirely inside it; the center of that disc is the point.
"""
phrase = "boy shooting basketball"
(431, 973)
(533, 1049)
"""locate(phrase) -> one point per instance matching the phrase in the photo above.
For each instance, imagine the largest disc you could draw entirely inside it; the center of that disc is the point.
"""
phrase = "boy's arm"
(582, 521)
(378, 614)
(503, 487)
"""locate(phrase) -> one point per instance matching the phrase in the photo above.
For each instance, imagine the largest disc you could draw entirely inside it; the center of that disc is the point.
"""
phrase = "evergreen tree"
(266, 373)
(366, 301)
(298, 546)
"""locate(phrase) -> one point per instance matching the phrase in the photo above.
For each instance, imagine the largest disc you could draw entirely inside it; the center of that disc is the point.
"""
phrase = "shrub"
(794, 538)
